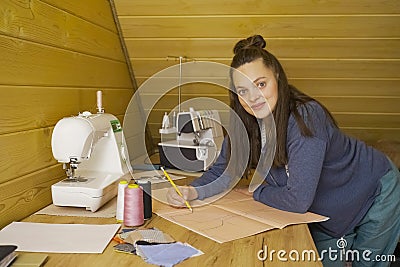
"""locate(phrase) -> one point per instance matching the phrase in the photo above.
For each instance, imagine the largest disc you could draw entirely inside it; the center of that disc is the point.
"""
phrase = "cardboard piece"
(231, 217)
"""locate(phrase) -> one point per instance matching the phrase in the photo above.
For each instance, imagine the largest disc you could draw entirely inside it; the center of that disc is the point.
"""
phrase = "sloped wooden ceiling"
(344, 53)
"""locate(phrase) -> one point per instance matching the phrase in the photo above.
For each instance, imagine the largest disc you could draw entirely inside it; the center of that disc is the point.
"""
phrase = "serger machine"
(198, 141)
(93, 152)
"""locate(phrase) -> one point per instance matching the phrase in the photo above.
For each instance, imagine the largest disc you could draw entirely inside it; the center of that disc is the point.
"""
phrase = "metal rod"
(181, 59)
(180, 82)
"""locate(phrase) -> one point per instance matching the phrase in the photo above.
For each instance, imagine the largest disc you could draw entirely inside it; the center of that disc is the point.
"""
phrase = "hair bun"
(253, 41)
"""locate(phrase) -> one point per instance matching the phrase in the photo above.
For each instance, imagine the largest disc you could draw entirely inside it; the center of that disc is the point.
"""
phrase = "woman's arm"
(305, 166)
(215, 180)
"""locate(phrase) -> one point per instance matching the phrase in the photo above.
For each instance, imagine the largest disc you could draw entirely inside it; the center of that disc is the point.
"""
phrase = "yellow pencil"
(176, 189)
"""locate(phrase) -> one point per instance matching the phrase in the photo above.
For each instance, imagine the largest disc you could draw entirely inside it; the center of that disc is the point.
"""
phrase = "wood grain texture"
(281, 47)
(95, 11)
(33, 20)
(228, 7)
(373, 134)
(269, 26)
(27, 194)
(27, 63)
(368, 120)
(25, 152)
(297, 68)
(23, 107)
(349, 87)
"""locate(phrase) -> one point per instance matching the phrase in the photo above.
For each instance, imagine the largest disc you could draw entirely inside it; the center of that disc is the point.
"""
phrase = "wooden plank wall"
(55, 55)
(344, 53)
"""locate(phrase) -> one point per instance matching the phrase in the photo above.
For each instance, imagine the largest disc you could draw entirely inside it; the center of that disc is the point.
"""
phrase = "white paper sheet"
(58, 238)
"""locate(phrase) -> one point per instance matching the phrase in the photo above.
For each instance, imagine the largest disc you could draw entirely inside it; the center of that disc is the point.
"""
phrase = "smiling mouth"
(258, 106)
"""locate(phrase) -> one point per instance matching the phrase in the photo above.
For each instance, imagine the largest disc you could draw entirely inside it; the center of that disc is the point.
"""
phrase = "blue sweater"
(330, 174)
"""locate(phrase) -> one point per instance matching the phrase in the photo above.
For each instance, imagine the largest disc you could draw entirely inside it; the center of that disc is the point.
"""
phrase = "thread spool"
(133, 205)
(120, 201)
(147, 203)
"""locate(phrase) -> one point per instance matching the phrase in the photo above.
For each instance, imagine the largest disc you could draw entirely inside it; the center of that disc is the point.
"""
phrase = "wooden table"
(241, 252)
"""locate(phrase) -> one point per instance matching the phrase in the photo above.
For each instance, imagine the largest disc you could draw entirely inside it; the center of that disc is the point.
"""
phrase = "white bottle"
(165, 121)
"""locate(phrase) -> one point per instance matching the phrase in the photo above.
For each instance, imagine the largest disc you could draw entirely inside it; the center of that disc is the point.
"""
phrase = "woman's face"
(256, 87)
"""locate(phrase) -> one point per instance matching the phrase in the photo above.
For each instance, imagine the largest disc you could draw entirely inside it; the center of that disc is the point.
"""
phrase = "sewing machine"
(93, 152)
(198, 141)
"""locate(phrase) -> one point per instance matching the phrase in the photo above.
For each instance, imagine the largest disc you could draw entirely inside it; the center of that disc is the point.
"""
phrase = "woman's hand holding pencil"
(179, 196)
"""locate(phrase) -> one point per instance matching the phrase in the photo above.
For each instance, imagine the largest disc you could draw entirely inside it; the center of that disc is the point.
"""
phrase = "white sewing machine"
(92, 150)
(198, 141)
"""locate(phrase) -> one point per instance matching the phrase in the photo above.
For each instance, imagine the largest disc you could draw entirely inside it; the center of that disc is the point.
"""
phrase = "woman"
(316, 167)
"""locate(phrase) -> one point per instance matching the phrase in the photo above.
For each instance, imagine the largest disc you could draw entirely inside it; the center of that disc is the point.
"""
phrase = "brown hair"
(289, 99)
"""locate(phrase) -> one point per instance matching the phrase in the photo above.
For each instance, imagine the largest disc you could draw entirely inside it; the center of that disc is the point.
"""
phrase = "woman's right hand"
(188, 193)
